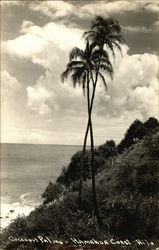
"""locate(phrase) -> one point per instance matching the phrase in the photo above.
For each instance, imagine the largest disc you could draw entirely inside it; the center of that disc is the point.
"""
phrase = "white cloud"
(11, 100)
(44, 45)
(10, 3)
(115, 7)
(133, 93)
(37, 96)
(35, 136)
(137, 29)
(58, 9)
(8, 81)
(153, 7)
(9, 85)
(107, 8)
(50, 95)
(53, 9)
(145, 99)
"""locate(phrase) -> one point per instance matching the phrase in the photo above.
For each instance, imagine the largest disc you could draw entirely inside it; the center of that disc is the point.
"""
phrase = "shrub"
(52, 193)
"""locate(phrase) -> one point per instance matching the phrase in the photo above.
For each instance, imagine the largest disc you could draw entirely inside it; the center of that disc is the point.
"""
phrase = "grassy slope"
(121, 195)
(134, 157)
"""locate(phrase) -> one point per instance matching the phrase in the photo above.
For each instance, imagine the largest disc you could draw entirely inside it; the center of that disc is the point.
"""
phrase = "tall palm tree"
(82, 67)
(103, 33)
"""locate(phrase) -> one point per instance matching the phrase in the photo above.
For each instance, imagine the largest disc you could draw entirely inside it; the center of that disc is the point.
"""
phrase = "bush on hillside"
(136, 131)
(72, 172)
(52, 193)
(151, 123)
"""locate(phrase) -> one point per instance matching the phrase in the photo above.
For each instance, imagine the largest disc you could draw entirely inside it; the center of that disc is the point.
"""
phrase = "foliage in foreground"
(127, 193)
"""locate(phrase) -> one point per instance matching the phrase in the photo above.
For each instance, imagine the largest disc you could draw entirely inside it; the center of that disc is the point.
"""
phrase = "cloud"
(153, 7)
(10, 3)
(53, 9)
(11, 96)
(145, 99)
(156, 25)
(36, 136)
(116, 7)
(133, 92)
(49, 95)
(9, 85)
(43, 45)
(104, 8)
(138, 29)
(37, 97)
(60, 9)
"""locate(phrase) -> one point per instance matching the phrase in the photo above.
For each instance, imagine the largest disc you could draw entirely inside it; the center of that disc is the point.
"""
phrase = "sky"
(36, 38)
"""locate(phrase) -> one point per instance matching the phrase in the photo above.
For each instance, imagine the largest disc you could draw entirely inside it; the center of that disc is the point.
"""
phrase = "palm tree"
(82, 67)
(103, 33)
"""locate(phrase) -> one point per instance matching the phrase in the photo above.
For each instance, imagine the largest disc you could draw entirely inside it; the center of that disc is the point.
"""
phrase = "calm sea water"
(25, 172)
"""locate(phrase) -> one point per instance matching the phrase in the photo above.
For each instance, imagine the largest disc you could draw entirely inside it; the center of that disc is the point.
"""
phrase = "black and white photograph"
(79, 124)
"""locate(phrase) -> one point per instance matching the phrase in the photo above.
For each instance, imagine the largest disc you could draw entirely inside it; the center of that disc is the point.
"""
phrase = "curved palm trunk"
(82, 166)
(95, 204)
(94, 196)
(85, 142)
(86, 134)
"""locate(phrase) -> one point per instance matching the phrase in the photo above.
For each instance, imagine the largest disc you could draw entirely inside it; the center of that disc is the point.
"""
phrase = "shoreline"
(10, 211)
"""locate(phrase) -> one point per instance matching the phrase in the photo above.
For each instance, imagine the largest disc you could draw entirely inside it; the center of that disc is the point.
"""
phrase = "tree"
(151, 123)
(108, 149)
(82, 67)
(64, 178)
(103, 33)
(135, 132)
(72, 173)
(52, 193)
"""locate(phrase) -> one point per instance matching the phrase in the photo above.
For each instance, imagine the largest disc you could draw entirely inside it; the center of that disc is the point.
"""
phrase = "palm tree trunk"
(95, 205)
(85, 139)
(82, 167)
(86, 134)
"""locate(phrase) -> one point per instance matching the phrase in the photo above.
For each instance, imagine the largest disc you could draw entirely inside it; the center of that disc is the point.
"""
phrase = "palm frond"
(77, 76)
(69, 71)
(101, 56)
(109, 24)
(65, 74)
(75, 64)
(105, 62)
(103, 80)
(110, 46)
(83, 81)
(119, 38)
(117, 45)
(89, 33)
(107, 69)
(75, 53)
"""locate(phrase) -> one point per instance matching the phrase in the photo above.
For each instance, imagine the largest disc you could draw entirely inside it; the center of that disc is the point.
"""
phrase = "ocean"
(26, 169)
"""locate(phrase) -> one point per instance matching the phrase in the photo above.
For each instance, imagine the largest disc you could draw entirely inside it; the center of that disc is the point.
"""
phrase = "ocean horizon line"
(48, 144)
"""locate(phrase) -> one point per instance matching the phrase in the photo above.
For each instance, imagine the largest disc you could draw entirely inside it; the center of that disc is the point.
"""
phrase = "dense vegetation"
(127, 192)
(136, 132)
